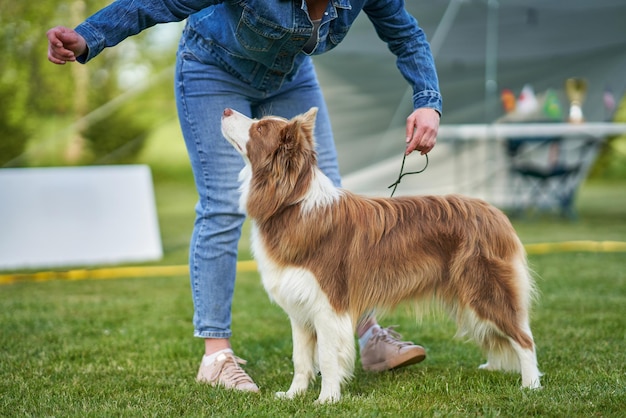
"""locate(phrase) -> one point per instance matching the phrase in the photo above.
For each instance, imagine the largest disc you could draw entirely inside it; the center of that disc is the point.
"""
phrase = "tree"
(32, 90)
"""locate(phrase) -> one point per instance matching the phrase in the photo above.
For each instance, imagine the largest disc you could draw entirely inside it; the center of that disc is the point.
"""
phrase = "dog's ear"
(308, 122)
(310, 116)
(301, 126)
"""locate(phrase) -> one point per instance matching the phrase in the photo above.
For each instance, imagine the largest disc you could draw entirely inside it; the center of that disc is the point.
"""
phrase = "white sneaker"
(385, 351)
(225, 371)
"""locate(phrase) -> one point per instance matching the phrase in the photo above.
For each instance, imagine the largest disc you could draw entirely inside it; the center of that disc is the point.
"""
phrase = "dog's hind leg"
(505, 353)
(528, 364)
(500, 354)
(304, 343)
(336, 350)
(497, 315)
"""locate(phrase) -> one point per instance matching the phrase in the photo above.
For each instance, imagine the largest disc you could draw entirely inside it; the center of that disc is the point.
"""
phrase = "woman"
(255, 56)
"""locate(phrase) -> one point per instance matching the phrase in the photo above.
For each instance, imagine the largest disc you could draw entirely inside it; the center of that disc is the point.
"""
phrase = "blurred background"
(119, 109)
(98, 347)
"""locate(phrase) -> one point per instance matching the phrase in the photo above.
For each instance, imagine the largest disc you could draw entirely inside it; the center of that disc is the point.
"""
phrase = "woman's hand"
(421, 130)
(64, 45)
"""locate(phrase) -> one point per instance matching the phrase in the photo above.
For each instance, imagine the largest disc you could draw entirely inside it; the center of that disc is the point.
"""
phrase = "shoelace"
(230, 371)
(390, 336)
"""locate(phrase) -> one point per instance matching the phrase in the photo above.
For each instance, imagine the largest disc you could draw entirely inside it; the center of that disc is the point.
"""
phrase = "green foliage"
(32, 89)
(29, 85)
(611, 163)
(16, 49)
(118, 138)
(13, 130)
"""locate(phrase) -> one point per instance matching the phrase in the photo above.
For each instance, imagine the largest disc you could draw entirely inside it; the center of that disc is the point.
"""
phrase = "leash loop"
(395, 185)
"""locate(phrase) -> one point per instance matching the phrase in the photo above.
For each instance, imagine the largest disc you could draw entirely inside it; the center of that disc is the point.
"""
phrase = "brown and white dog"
(327, 256)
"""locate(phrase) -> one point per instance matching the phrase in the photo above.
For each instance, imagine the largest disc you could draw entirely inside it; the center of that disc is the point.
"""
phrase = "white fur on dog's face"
(236, 129)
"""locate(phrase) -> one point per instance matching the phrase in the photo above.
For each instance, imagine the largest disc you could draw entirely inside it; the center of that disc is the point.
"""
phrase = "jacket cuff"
(429, 99)
(95, 41)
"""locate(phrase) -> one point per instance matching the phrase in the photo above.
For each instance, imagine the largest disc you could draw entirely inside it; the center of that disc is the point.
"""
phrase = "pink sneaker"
(385, 351)
(225, 371)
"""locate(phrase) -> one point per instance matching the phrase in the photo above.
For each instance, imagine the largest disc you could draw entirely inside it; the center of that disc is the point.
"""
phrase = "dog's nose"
(228, 111)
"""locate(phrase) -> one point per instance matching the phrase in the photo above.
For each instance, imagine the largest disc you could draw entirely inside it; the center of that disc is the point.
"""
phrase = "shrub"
(13, 130)
(611, 163)
(118, 138)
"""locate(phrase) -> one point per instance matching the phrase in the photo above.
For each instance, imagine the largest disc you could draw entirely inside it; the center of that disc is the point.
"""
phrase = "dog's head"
(279, 155)
(257, 139)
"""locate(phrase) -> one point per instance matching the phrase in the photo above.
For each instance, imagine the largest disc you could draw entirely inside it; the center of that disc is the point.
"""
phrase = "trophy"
(576, 89)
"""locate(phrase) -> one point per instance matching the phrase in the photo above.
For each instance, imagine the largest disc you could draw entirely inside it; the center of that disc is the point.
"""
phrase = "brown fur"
(385, 242)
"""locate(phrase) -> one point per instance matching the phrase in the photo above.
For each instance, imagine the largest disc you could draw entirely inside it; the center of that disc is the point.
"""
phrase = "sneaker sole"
(252, 389)
(400, 361)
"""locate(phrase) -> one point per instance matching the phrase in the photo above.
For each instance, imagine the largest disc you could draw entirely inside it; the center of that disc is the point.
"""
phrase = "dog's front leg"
(335, 342)
(303, 360)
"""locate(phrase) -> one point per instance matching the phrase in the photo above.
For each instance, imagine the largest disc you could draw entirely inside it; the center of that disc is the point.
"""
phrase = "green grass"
(124, 347)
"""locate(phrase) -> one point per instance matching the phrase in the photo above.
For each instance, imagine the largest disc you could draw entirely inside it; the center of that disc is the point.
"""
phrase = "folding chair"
(546, 172)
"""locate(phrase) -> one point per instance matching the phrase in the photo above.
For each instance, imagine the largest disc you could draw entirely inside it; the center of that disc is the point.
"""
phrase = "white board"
(77, 216)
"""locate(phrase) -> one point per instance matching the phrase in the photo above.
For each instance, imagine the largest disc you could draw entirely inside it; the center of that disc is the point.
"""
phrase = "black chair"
(545, 173)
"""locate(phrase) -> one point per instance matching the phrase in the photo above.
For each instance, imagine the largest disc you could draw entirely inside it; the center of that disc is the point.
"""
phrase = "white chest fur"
(294, 289)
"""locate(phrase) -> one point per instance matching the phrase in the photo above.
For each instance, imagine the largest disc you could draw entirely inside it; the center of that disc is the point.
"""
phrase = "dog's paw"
(283, 395)
(487, 366)
(287, 395)
(532, 385)
(327, 400)
(327, 397)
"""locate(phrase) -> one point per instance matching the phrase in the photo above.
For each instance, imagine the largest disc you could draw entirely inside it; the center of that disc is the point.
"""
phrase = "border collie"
(328, 256)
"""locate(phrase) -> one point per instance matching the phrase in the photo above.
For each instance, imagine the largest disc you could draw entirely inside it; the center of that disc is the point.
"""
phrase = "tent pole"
(491, 87)
(491, 61)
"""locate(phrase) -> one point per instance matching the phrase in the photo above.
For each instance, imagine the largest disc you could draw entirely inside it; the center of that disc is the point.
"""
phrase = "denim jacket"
(260, 41)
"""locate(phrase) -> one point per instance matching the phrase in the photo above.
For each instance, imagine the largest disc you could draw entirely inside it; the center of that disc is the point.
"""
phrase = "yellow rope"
(250, 265)
(111, 273)
(576, 246)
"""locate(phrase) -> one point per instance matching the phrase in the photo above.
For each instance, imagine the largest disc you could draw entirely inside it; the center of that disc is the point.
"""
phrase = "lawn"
(124, 347)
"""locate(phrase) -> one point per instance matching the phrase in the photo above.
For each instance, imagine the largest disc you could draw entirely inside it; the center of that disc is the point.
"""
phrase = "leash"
(395, 185)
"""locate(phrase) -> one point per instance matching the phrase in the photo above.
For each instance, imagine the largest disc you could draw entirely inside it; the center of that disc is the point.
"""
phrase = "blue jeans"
(203, 91)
